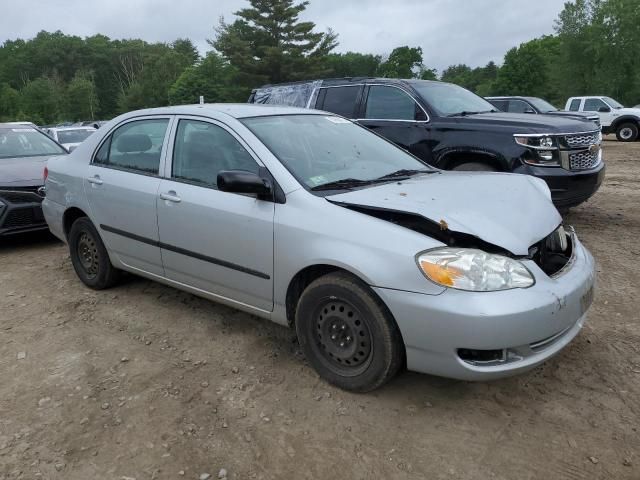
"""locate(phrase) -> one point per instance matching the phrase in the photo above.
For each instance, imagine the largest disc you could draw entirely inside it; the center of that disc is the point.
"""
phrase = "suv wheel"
(627, 132)
(89, 256)
(474, 167)
(347, 334)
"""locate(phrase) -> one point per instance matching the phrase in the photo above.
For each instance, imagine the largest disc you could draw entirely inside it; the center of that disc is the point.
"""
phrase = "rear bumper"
(529, 325)
(568, 188)
(20, 212)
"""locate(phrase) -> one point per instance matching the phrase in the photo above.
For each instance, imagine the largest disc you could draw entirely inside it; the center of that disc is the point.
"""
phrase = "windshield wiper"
(465, 113)
(403, 173)
(342, 184)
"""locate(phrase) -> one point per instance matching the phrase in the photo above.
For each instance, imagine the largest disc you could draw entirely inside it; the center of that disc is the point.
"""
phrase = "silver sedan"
(307, 219)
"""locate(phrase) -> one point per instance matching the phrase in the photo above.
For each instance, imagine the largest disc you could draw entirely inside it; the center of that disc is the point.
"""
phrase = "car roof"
(517, 97)
(79, 127)
(235, 110)
(328, 82)
(11, 125)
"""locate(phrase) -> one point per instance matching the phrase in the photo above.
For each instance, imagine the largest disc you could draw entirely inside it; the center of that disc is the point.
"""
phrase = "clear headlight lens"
(536, 141)
(474, 270)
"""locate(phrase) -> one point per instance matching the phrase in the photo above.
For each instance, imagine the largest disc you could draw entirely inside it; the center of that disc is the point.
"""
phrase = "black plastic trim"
(182, 251)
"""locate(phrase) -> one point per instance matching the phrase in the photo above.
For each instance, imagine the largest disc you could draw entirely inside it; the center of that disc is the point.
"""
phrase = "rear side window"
(391, 103)
(575, 105)
(339, 100)
(134, 146)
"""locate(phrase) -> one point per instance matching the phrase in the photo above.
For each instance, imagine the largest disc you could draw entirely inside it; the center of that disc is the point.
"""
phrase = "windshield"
(26, 142)
(321, 150)
(542, 105)
(448, 99)
(612, 103)
(73, 136)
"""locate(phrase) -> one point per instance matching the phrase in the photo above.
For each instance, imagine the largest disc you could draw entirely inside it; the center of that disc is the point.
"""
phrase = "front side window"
(500, 104)
(339, 100)
(134, 146)
(542, 105)
(575, 105)
(518, 106)
(202, 150)
(447, 99)
(594, 105)
(320, 150)
(391, 103)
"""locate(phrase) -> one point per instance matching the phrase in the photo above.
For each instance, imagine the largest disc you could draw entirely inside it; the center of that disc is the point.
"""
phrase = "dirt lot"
(145, 382)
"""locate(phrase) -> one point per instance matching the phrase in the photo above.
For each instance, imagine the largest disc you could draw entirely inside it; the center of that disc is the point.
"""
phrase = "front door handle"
(95, 180)
(170, 196)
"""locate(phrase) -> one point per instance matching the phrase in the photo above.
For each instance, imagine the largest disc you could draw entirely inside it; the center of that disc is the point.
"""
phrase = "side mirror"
(529, 110)
(604, 109)
(241, 181)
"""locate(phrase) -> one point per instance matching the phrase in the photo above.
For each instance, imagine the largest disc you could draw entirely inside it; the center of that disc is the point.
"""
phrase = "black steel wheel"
(347, 334)
(89, 256)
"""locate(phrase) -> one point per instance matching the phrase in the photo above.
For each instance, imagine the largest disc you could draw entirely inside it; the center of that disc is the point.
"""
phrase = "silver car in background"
(307, 219)
(70, 137)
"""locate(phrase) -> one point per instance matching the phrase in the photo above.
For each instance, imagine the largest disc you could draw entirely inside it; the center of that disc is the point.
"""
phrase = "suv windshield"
(448, 99)
(74, 136)
(26, 142)
(612, 103)
(330, 153)
(542, 105)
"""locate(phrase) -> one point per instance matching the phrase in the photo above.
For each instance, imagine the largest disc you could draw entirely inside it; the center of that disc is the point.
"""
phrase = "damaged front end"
(552, 254)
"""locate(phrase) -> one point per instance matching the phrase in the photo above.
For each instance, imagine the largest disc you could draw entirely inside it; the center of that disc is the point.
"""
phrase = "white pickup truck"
(614, 118)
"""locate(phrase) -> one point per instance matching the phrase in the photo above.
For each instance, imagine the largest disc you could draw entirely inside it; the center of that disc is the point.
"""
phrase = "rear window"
(339, 100)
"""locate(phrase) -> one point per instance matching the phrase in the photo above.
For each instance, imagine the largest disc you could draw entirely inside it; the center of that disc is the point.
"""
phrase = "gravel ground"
(146, 382)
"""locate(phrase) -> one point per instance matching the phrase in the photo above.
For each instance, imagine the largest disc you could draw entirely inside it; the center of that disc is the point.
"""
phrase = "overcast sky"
(449, 31)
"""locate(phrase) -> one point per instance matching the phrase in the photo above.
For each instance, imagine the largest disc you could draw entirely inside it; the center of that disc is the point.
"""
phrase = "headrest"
(135, 142)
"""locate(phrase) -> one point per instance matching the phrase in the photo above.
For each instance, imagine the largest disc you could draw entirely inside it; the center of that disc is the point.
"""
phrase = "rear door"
(218, 242)
(393, 113)
(122, 186)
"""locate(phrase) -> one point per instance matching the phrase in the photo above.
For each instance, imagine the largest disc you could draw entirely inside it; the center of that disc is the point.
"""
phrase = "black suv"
(537, 105)
(453, 129)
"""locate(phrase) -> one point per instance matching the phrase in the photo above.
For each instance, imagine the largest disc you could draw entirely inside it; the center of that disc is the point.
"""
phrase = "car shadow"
(26, 241)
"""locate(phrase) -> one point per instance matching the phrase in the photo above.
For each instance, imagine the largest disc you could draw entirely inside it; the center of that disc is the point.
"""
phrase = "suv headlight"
(473, 270)
(541, 142)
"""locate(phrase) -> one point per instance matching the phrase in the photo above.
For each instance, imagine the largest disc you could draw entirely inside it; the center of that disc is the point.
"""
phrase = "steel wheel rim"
(342, 337)
(87, 251)
(626, 133)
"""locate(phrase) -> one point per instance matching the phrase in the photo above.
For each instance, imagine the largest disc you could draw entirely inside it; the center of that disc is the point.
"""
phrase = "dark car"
(453, 129)
(24, 152)
(537, 105)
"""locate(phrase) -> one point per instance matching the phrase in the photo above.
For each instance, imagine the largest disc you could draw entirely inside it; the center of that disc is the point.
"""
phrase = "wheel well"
(453, 159)
(300, 281)
(70, 216)
(620, 121)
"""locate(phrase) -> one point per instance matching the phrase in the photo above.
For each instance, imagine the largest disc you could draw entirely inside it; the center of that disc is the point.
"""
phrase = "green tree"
(9, 102)
(81, 98)
(213, 78)
(268, 43)
(404, 62)
(353, 64)
(40, 100)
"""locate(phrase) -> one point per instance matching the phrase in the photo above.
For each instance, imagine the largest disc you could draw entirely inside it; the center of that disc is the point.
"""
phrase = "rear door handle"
(95, 180)
(170, 196)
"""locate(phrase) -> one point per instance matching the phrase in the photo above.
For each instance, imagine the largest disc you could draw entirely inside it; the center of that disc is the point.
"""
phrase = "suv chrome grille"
(582, 140)
(583, 160)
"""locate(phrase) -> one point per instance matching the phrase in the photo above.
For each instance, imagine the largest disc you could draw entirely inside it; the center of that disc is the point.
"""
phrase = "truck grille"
(582, 140)
(583, 160)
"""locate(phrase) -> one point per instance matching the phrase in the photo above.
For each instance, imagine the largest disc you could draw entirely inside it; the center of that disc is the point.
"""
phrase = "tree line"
(56, 77)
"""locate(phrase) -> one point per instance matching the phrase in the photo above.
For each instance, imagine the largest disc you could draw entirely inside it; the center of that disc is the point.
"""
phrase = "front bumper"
(568, 188)
(531, 324)
(20, 211)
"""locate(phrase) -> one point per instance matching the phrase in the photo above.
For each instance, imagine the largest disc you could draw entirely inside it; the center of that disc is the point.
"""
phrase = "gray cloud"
(449, 31)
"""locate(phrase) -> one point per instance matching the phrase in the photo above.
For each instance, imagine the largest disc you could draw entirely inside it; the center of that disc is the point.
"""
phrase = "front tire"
(89, 256)
(347, 334)
(627, 132)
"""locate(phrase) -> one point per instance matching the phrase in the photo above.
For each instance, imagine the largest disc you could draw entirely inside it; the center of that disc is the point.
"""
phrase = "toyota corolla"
(376, 259)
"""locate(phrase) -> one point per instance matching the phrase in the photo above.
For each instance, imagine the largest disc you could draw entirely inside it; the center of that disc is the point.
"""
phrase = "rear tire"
(627, 132)
(474, 167)
(347, 334)
(89, 256)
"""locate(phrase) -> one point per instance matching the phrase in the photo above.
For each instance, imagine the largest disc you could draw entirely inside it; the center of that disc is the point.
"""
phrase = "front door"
(392, 113)
(122, 186)
(215, 241)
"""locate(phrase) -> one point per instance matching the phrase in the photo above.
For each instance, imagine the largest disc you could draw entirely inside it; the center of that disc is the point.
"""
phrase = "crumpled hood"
(22, 172)
(510, 211)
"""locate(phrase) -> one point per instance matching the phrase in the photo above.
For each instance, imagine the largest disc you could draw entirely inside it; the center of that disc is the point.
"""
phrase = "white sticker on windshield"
(337, 119)
(22, 130)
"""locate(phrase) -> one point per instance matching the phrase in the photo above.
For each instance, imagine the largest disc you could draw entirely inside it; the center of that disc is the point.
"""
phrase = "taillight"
(45, 173)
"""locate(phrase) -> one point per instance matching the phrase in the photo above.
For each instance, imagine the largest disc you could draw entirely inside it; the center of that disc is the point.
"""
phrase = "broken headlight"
(473, 270)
